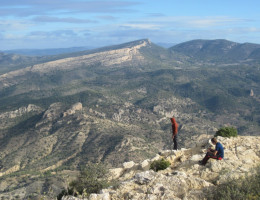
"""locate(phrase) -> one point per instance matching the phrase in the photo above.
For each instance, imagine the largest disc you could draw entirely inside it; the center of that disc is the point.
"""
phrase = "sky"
(39, 24)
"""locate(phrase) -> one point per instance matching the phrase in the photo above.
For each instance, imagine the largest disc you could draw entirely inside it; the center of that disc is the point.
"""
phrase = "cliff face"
(185, 178)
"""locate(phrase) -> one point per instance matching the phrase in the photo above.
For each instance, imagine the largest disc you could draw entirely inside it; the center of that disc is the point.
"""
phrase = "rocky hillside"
(185, 178)
(106, 58)
(112, 105)
(223, 51)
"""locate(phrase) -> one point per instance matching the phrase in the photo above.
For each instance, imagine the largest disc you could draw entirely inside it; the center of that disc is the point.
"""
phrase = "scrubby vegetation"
(247, 188)
(160, 165)
(92, 179)
(227, 132)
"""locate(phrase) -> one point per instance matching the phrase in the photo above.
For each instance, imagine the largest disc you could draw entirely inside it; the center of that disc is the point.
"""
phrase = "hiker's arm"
(212, 151)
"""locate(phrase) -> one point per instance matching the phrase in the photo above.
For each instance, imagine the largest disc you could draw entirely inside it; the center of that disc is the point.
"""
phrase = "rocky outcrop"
(56, 111)
(185, 178)
(75, 107)
(53, 112)
(20, 112)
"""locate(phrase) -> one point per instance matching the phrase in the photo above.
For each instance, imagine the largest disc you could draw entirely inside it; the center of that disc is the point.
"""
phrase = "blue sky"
(26, 24)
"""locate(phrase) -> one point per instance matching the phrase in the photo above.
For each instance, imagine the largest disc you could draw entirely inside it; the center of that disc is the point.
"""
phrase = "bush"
(159, 165)
(247, 188)
(92, 179)
(227, 132)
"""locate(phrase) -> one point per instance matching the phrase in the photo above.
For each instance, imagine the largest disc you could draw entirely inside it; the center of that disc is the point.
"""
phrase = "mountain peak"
(143, 42)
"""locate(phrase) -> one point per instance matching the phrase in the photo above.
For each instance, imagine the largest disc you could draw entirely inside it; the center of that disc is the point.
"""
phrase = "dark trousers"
(175, 142)
(208, 156)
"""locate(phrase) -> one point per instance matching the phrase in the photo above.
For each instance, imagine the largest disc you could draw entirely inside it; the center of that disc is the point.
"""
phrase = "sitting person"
(218, 153)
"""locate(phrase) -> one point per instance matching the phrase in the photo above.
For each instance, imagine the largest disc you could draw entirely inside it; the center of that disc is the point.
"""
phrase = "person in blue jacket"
(217, 153)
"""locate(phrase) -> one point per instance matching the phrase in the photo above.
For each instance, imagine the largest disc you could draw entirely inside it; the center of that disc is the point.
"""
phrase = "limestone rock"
(104, 196)
(145, 165)
(157, 189)
(20, 112)
(185, 179)
(53, 111)
(73, 109)
(71, 198)
(166, 153)
(196, 157)
(157, 157)
(128, 165)
(116, 172)
(144, 177)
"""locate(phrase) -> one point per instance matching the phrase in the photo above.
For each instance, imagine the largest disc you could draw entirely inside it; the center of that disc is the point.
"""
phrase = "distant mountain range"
(219, 50)
(46, 52)
(57, 51)
(198, 49)
(113, 104)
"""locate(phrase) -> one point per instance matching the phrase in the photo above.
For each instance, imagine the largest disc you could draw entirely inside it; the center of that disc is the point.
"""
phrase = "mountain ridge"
(111, 56)
(216, 50)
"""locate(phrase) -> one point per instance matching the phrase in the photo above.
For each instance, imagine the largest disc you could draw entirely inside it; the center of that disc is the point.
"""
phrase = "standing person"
(174, 132)
(217, 153)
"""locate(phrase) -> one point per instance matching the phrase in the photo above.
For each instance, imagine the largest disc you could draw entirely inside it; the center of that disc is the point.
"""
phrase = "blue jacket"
(220, 150)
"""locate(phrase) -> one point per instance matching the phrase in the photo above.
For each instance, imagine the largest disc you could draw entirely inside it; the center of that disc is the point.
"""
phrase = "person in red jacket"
(174, 132)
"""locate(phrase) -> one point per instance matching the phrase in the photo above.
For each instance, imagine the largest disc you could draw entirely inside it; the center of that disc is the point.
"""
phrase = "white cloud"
(141, 26)
(14, 25)
(63, 20)
(43, 7)
(213, 21)
(191, 21)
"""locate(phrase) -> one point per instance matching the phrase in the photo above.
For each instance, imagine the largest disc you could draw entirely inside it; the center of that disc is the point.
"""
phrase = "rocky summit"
(185, 178)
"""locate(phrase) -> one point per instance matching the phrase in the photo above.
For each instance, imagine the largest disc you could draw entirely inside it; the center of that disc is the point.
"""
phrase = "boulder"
(116, 173)
(196, 157)
(145, 165)
(144, 177)
(128, 165)
(104, 196)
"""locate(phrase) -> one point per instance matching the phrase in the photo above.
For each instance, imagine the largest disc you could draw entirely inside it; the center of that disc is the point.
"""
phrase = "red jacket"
(174, 126)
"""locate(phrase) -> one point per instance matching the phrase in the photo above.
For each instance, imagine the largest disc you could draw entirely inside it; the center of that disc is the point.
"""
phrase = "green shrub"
(159, 164)
(227, 132)
(247, 188)
(92, 179)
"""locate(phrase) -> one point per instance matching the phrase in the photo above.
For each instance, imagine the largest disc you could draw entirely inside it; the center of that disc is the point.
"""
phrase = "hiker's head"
(214, 140)
(173, 120)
